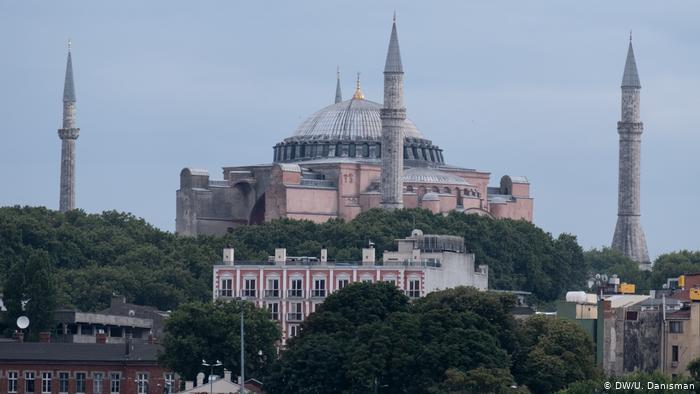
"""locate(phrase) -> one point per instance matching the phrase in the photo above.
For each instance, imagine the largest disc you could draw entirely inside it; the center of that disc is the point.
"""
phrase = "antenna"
(22, 322)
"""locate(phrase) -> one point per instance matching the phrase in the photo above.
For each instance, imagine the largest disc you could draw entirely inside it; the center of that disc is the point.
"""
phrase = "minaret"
(338, 94)
(392, 114)
(629, 237)
(68, 134)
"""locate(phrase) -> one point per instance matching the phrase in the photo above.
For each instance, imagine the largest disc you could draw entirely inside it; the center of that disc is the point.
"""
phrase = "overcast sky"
(520, 87)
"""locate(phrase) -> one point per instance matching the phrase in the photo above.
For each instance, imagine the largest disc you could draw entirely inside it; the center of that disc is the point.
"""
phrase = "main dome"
(354, 119)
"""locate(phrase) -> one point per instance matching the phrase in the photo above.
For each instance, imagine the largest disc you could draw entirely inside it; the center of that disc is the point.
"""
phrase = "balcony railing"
(272, 293)
(226, 293)
(295, 293)
(294, 316)
(318, 293)
(248, 293)
(413, 293)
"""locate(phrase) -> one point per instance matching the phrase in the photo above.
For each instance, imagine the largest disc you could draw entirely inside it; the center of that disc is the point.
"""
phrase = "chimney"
(280, 256)
(45, 337)
(189, 385)
(368, 255)
(324, 255)
(415, 256)
(101, 337)
(128, 345)
(227, 375)
(228, 255)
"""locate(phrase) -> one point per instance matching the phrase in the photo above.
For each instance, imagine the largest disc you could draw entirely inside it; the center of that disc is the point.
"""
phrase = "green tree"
(30, 290)
(478, 380)
(611, 262)
(553, 353)
(211, 331)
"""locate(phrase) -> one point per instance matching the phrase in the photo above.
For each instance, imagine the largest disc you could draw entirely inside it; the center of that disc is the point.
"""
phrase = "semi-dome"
(427, 175)
(353, 119)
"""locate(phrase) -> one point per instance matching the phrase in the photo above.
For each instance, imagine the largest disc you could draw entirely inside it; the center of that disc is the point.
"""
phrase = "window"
(226, 287)
(114, 382)
(293, 330)
(169, 383)
(631, 315)
(12, 378)
(390, 279)
(273, 288)
(294, 311)
(46, 383)
(319, 287)
(249, 288)
(63, 382)
(29, 382)
(342, 282)
(674, 353)
(675, 327)
(296, 291)
(274, 309)
(414, 288)
(80, 382)
(366, 278)
(97, 379)
(142, 383)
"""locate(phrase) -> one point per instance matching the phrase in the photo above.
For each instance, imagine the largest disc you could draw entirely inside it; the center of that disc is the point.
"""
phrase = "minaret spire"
(68, 134)
(393, 115)
(629, 238)
(338, 93)
(358, 90)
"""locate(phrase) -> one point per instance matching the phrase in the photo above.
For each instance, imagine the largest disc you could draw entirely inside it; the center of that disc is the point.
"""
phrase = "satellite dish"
(22, 322)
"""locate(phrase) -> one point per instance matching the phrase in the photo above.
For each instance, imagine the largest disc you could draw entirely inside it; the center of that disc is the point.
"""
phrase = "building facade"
(81, 368)
(290, 288)
(345, 159)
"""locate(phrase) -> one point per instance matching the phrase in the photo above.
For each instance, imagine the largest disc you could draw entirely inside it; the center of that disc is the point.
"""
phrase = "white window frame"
(342, 281)
(98, 380)
(272, 291)
(248, 290)
(168, 382)
(273, 308)
(296, 291)
(84, 375)
(293, 330)
(414, 291)
(366, 278)
(142, 383)
(224, 290)
(115, 377)
(27, 379)
(46, 377)
(390, 279)
(320, 288)
(62, 374)
(12, 382)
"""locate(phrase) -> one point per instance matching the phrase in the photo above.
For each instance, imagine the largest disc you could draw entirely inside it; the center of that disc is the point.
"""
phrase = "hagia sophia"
(344, 159)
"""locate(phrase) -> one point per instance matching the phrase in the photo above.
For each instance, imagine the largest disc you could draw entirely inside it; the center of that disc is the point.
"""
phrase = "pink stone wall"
(519, 209)
(521, 189)
(311, 201)
(432, 206)
(410, 200)
(370, 200)
(448, 202)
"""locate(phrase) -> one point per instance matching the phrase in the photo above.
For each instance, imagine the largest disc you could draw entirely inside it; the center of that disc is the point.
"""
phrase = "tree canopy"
(211, 331)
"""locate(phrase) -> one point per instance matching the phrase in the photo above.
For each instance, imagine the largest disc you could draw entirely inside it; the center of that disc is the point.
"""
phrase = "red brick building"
(83, 368)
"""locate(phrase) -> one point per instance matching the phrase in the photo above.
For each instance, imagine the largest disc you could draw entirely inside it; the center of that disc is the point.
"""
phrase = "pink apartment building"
(290, 288)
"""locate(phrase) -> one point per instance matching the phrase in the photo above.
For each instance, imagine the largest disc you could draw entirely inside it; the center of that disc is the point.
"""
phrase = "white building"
(290, 288)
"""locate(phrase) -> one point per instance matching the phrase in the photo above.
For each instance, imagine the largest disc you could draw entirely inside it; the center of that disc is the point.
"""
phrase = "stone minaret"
(392, 114)
(68, 134)
(338, 93)
(629, 237)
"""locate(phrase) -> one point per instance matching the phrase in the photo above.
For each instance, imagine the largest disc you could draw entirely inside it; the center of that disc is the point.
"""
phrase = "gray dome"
(354, 119)
(431, 176)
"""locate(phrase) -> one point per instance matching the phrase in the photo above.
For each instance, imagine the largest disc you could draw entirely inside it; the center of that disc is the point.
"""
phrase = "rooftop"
(90, 352)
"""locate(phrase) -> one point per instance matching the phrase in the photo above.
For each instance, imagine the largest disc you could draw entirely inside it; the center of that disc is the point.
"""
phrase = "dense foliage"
(368, 336)
(634, 383)
(211, 331)
(93, 256)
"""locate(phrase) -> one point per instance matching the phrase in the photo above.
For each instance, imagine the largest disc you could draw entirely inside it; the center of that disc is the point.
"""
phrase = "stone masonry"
(68, 134)
(392, 114)
(629, 236)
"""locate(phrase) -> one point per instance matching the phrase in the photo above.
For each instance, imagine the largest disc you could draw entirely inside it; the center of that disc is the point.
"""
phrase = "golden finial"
(358, 92)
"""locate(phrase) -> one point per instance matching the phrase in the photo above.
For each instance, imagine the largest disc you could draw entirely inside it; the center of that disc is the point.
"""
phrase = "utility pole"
(242, 350)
